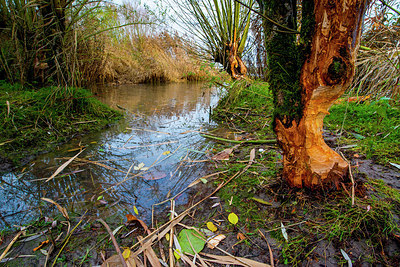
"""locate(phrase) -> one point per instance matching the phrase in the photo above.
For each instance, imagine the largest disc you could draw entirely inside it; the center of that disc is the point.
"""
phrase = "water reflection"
(159, 131)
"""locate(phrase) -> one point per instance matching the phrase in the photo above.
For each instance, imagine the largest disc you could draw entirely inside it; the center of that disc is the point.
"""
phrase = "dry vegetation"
(378, 72)
(85, 42)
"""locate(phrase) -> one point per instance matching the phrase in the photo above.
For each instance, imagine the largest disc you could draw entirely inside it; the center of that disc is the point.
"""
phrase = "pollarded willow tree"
(222, 26)
(308, 70)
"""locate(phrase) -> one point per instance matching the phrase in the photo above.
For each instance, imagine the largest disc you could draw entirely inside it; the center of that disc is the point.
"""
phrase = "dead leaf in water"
(61, 209)
(133, 220)
(62, 167)
(154, 176)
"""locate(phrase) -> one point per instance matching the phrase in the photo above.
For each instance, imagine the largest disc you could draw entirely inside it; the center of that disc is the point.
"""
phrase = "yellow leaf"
(167, 236)
(126, 253)
(177, 256)
(135, 210)
(211, 226)
(233, 218)
(166, 152)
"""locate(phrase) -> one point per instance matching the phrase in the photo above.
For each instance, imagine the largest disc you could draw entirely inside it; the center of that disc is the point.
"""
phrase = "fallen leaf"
(224, 154)
(356, 155)
(211, 226)
(204, 181)
(233, 218)
(262, 201)
(395, 165)
(240, 236)
(140, 167)
(166, 152)
(167, 236)
(189, 238)
(62, 167)
(132, 219)
(61, 209)
(135, 210)
(213, 242)
(284, 233)
(154, 176)
(346, 257)
(126, 253)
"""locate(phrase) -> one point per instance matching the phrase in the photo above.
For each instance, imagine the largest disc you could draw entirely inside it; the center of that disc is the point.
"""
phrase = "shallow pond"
(110, 177)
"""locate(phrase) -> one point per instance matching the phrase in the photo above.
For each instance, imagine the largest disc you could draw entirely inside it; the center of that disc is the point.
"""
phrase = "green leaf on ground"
(188, 238)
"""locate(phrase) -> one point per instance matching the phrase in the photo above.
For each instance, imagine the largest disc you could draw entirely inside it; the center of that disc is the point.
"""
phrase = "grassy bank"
(36, 120)
(318, 225)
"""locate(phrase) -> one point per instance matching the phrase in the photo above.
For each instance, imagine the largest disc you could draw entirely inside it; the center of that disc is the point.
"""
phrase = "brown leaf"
(62, 167)
(61, 209)
(224, 154)
(240, 236)
(132, 219)
(154, 176)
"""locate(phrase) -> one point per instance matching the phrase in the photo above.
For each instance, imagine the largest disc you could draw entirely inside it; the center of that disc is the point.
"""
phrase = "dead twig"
(171, 236)
(271, 255)
(351, 178)
(11, 243)
(114, 242)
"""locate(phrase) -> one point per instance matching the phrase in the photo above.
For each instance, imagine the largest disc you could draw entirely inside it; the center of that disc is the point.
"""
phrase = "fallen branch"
(272, 141)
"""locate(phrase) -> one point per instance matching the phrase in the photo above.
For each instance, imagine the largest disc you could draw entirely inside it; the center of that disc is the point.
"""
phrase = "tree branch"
(289, 31)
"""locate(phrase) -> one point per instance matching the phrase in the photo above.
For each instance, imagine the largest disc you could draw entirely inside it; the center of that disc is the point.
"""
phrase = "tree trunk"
(236, 67)
(307, 75)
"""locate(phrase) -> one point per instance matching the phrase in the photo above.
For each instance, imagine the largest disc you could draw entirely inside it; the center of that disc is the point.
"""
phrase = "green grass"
(35, 120)
(373, 126)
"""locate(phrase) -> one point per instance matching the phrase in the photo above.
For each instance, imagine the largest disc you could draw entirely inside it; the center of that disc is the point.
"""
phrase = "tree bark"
(326, 52)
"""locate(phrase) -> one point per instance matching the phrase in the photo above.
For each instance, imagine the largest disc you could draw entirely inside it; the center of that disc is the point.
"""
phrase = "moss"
(35, 120)
(283, 61)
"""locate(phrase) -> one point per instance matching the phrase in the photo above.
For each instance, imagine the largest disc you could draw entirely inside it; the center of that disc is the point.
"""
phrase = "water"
(161, 131)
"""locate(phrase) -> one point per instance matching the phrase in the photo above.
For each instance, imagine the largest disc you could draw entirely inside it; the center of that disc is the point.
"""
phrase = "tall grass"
(75, 43)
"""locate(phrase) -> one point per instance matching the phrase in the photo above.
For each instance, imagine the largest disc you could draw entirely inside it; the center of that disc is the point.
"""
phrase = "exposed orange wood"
(325, 75)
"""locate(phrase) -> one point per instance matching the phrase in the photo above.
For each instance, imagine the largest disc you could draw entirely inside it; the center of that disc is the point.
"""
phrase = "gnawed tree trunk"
(307, 75)
(236, 67)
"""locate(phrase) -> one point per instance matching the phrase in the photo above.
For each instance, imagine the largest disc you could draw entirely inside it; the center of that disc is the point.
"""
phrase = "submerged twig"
(272, 141)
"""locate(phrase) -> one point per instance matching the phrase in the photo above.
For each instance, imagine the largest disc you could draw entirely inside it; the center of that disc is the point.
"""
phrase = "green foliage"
(36, 120)
(374, 125)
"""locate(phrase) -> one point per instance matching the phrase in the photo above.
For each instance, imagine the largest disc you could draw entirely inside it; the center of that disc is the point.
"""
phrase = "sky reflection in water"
(160, 118)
